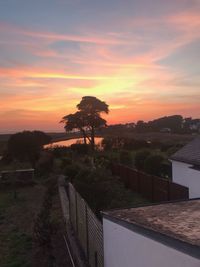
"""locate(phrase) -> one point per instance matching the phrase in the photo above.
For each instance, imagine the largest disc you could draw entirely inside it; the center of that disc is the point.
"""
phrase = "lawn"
(16, 223)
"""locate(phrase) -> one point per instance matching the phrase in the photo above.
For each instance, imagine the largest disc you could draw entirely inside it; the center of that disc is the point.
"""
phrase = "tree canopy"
(27, 145)
(87, 119)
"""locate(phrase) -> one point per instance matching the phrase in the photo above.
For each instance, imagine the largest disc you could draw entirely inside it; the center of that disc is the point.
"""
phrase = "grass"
(16, 222)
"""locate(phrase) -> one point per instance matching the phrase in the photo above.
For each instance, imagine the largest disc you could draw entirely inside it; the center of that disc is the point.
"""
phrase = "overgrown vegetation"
(89, 171)
(16, 217)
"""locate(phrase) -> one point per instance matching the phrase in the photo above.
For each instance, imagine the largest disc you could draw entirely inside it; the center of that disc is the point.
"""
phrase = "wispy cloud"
(47, 70)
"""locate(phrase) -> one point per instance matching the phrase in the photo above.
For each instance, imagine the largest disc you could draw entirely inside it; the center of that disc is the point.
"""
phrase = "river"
(71, 141)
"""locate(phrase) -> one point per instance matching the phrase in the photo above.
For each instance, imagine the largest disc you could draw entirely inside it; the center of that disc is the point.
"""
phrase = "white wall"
(125, 248)
(182, 174)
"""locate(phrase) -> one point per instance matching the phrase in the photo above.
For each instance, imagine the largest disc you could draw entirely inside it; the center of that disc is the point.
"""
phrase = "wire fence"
(88, 228)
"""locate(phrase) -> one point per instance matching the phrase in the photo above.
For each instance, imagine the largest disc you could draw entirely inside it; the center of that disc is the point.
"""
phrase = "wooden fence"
(151, 187)
(88, 228)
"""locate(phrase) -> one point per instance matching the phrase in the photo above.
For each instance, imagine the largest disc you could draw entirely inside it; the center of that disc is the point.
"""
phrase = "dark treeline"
(168, 124)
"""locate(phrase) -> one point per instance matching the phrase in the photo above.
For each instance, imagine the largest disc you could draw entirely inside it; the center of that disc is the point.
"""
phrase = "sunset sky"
(140, 56)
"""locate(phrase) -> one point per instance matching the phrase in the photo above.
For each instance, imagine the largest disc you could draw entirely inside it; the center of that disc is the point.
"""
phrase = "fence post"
(96, 259)
(69, 196)
(76, 213)
(87, 234)
(153, 189)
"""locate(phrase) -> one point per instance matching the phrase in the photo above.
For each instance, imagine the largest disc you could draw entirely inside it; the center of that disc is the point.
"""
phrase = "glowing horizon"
(141, 57)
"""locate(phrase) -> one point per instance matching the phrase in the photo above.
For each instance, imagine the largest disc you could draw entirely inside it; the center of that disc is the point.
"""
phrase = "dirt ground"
(17, 217)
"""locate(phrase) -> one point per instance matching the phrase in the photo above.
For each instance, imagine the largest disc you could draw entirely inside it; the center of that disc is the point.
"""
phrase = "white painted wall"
(182, 174)
(125, 248)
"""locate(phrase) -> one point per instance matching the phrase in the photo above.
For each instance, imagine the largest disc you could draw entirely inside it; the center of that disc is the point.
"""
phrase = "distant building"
(186, 167)
(195, 126)
(161, 235)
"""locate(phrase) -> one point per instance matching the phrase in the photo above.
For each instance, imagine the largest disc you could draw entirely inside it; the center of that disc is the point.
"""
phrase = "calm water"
(72, 141)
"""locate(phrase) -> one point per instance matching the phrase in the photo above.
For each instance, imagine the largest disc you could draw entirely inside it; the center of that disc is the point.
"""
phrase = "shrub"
(71, 171)
(153, 164)
(125, 157)
(80, 148)
(140, 158)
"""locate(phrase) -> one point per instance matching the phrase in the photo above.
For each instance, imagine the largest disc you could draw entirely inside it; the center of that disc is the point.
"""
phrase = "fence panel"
(160, 189)
(153, 188)
(124, 173)
(177, 191)
(82, 222)
(146, 185)
(133, 180)
(95, 238)
(88, 228)
(72, 206)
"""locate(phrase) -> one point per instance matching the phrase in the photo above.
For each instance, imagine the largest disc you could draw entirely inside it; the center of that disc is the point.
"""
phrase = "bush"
(140, 158)
(126, 158)
(82, 149)
(71, 171)
(103, 191)
(153, 164)
(45, 164)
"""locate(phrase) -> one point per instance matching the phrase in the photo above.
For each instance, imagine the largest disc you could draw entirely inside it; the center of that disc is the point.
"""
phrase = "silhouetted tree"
(87, 119)
(174, 122)
(27, 145)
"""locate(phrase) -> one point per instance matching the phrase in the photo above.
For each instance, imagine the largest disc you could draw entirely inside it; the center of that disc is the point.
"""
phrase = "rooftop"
(178, 220)
(190, 153)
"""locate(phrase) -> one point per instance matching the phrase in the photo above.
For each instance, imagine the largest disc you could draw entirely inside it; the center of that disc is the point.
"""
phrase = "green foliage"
(71, 170)
(140, 158)
(116, 143)
(25, 146)
(87, 119)
(153, 164)
(42, 227)
(81, 149)
(60, 151)
(126, 158)
(45, 164)
(172, 122)
(103, 191)
(19, 243)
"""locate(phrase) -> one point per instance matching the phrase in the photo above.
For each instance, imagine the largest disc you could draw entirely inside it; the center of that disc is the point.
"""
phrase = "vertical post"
(69, 196)
(96, 259)
(76, 212)
(87, 233)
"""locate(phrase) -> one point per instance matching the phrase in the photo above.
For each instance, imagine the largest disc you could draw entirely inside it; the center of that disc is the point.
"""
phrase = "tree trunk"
(92, 138)
(84, 136)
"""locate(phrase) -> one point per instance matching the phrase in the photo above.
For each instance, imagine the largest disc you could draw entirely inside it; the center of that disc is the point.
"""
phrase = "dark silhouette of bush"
(82, 149)
(26, 146)
(140, 158)
(153, 164)
(126, 158)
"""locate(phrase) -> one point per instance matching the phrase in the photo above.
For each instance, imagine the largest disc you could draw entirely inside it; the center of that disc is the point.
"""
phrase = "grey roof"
(175, 224)
(190, 153)
(176, 219)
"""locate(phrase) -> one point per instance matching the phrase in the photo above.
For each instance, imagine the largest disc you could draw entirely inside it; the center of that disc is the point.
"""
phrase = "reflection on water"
(72, 141)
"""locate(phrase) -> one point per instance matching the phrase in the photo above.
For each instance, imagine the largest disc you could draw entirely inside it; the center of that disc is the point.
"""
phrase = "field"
(17, 219)
(16, 223)
(153, 136)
